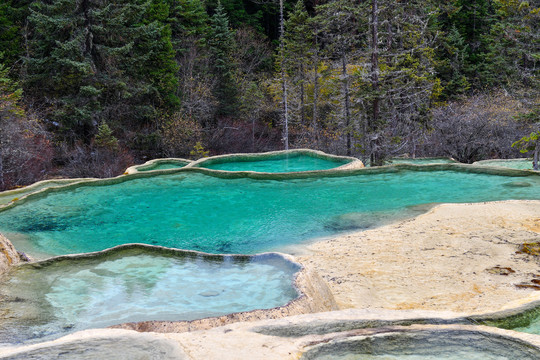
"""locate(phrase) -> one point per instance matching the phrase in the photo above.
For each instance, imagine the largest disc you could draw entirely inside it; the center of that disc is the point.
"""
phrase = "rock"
(8, 255)
(497, 270)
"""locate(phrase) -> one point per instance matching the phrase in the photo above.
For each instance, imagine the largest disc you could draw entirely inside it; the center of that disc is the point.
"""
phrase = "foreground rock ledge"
(454, 257)
(287, 338)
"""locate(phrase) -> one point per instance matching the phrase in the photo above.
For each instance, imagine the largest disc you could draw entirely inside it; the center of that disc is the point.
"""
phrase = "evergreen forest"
(90, 87)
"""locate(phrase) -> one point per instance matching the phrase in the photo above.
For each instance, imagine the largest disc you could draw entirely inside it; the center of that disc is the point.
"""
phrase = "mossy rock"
(498, 270)
(532, 248)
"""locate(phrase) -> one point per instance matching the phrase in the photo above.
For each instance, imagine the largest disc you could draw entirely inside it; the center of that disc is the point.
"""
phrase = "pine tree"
(93, 60)
(221, 43)
(451, 66)
(298, 51)
(402, 77)
(240, 12)
(340, 31)
(514, 54)
(12, 17)
(473, 21)
(189, 24)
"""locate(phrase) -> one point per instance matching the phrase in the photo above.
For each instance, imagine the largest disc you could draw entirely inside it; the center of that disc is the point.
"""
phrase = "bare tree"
(283, 78)
(481, 127)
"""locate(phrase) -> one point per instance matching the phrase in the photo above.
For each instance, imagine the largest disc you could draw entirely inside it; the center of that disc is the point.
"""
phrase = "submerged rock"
(517, 184)
(350, 221)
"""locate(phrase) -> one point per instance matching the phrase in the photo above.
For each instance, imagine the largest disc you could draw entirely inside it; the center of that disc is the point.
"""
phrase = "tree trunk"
(374, 75)
(2, 184)
(302, 79)
(283, 81)
(89, 37)
(253, 134)
(347, 105)
(536, 151)
(315, 90)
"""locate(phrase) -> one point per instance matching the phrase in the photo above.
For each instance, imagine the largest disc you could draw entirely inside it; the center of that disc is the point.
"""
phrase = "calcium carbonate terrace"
(242, 204)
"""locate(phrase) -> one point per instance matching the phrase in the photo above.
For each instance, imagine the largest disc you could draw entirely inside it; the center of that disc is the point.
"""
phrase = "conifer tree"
(189, 23)
(13, 14)
(407, 78)
(95, 60)
(514, 53)
(340, 29)
(473, 21)
(221, 43)
(298, 49)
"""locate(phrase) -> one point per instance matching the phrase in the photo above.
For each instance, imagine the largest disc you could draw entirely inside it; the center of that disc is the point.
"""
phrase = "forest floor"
(456, 257)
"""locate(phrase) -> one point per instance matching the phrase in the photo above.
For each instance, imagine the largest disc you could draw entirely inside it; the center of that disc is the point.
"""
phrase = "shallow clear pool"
(137, 285)
(527, 321)
(520, 164)
(426, 345)
(199, 212)
(163, 165)
(7, 196)
(283, 163)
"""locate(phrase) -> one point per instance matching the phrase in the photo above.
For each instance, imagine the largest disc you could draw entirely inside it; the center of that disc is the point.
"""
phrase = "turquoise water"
(199, 212)
(276, 165)
(137, 285)
(522, 164)
(426, 345)
(164, 165)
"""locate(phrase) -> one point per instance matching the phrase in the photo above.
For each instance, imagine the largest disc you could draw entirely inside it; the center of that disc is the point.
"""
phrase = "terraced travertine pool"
(197, 209)
(280, 163)
(132, 284)
(194, 211)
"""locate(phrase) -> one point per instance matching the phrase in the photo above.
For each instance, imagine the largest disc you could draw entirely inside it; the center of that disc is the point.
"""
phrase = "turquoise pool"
(137, 284)
(194, 211)
(276, 164)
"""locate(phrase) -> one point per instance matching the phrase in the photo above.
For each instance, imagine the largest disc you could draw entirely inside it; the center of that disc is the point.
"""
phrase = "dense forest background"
(90, 87)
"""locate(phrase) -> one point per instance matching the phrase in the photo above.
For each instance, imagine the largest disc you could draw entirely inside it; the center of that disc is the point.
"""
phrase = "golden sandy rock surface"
(456, 257)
